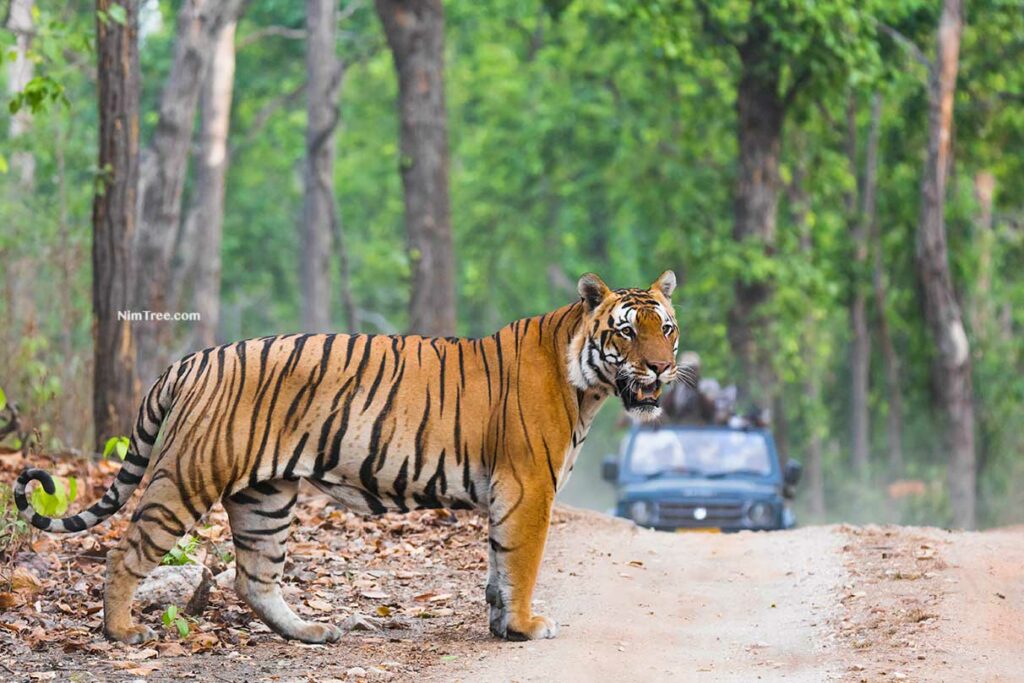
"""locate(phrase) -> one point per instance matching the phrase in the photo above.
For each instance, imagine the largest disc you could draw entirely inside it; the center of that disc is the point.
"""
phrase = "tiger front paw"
(133, 635)
(534, 628)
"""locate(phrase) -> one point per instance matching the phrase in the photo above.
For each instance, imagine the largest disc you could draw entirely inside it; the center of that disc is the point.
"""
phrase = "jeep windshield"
(712, 453)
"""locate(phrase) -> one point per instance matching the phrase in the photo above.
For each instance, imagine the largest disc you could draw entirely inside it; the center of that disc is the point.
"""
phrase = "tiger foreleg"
(497, 616)
(518, 531)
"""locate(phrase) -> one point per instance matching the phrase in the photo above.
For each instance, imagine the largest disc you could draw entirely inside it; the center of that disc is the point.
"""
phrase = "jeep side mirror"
(610, 469)
(791, 474)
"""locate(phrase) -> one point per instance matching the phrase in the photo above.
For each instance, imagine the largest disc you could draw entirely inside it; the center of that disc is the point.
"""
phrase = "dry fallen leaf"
(171, 649)
(133, 669)
(24, 581)
(138, 655)
(202, 642)
(320, 605)
(9, 601)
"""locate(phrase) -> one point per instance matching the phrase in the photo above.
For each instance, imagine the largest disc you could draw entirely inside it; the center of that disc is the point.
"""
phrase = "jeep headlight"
(641, 512)
(760, 514)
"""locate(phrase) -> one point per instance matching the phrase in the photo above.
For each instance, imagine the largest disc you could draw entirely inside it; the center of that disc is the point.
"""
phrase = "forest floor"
(818, 603)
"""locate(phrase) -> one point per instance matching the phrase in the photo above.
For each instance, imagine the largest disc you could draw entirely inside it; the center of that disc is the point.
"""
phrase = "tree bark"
(200, 251)
(952, 366)
(163, 169)
(815, 456)
(812, 406)
(415, 34)
(890, 361)
(20, 272)
(113, 217)
(319, 213)
(860, 340)
(20, 70)
(760, 114)
(982, 306)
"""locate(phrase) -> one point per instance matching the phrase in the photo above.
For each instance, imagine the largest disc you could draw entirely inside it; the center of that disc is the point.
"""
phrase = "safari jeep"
(695, 477)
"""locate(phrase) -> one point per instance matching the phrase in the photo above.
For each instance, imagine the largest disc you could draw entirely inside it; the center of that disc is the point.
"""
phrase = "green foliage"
(57, 503)
(117, 445)
(585, 135)
(14, 531)
(182, 551)
(175, 621)
(3, 399)
(38, 94)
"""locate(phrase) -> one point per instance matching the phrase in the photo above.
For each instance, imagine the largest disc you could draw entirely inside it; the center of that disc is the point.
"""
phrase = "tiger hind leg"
(261, 518)
(163, 516)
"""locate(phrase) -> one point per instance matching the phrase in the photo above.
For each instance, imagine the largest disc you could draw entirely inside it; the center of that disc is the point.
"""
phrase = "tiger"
(379, 423)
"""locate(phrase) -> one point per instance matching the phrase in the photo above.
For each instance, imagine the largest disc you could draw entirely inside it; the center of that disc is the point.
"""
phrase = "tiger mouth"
(636, 394)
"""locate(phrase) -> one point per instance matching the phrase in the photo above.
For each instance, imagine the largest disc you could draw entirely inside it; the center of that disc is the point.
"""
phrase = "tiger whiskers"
(688, 375)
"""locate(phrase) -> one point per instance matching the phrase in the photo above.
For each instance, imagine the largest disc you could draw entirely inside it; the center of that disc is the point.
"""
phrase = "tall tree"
(859, 217)
(890, 362)
(204, 222)
(113, 216)
(19, 72)
(982, 307)
(163, 168)
(952, 366)
(812, 407)
(415, 34)
(319, 215)
(760, 110)
(19, 273)
(783, 50)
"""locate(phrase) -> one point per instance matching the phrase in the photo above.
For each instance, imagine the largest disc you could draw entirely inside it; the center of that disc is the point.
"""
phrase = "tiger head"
(627, 343)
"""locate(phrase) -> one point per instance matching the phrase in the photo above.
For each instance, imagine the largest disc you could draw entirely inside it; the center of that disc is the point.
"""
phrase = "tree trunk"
(319, 213)
(813, 413)
(760, 112)
(815, 456)
(348, 301)
(952, 366)
(890, 362)
(860, 342)
(982, 306)
(19, 72)
(204, 223)
(20, 272)
(163, 168)
(113, 218)
(415, 33)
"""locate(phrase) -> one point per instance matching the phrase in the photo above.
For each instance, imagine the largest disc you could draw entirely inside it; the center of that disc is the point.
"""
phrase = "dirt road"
(814, 604)
(642, 605)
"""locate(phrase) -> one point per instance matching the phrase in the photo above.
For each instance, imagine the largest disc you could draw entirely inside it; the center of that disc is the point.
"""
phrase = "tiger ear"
(592, 289)
(666, 284)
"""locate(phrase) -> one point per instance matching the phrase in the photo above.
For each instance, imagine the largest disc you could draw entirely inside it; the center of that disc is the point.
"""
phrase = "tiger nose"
(659, 366)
